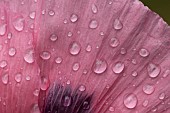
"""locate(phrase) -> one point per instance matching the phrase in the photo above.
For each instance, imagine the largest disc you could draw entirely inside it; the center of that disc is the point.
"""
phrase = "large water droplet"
(67, 101)
(73, 18)
(162, 96)
(44, 83)
(114, 42)
(88, 48)
(58, 60)
(29, 57)
(93, 24)
(94, 8)
(130, 101)
(12, 51)
(118, 67)
(117, 24)
(53, 37)
(18, 23)
(153, 70)
(5, 78)
(75, 48)
(45, 55)
(18, 77)
(82, 88)
(144, 52)
(76, 66)
(32, 15)
(100, 66)
(51, 13)
(3, 63)
(3, 29)
(148, 89)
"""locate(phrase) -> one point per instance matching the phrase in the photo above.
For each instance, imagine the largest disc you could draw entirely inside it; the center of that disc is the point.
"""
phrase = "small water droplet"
(86, 105)
(111, 109)
(58, 60)
(162, 96)
(130, 101)
(94, 8)
(29, 57)
(44, 83)
(2, 29)
(154, 109)
(67, 101)
(69, 34)
(85, 71)
(117, 24)
(134, 61)
(1, 47)
(5, 78)
(143, 52)
(68, 82)
(145, 103)
(18, 77)
(114, 42)
(118, 67)
(35, 109)
(75, 48)
(45, 55)
(93, 24)
(53, 37)
(102, 33)
(51, 13)
(65, 21)
(12, 51)
(134, 73)
(123, 51)
(43, 12)
(36, 92)
(18, 23)
(166, 73)
(76, 66)
(28, 78)
(148, 89)
(153, 70)
(9, 36)
(3, 63)
(100, 66)
(88, 48)
(73, 18)
(82, 88)
(32, 15)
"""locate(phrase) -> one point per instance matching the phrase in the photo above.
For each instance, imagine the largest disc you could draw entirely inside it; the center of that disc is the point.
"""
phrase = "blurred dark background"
(162, 7)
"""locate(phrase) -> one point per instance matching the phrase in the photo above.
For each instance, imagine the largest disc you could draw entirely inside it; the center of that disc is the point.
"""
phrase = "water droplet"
(85, 71)
(12, 51)
(100, 66)
(88, 48)
(153, 70)
(9, 36)
(1, 47)
(111, 109)
(123, 51)
(134, 61)
(148, 89)
(130, 101)
(73, 18)
(44, 83)
(43, 12)
(36, 92)
(51, 13)
(53, 37)
(114, 42)
(162, 96)
(32, 15)
(29, 57)
(118, 67)
(18, 23)
(145, 103)
(117, 24)
(82, 88)
(154, 109)
(69, 34)
(28, 78)
(94, 8)
(75, 48)
(3, 63)
(144, 52)
(65, 21)
(93, 24)
(67, 101)
(68, 82)
(3, 29)
(166, 73)
(134, 73)
(58, 60)
(45, 55)
(18, 77)
(5, 78)
(102, 33)
(76, 66)
(35, 109)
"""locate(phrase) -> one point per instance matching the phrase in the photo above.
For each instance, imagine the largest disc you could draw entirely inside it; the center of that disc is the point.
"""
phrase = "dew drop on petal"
(67, 101)
(2, 29)
(123, 51)
(75, 48)
(35, 109)
(5, 78)
(53, 37)
(166, 73)
(143, 52)
(32, 15)
(45, 55)
(100, 66)
(51, 13)
(69, 34)
(1, 46)
(111, 109)
(76, 66)
(134, 73)
(9, 35)
(145, 103)
(153, 70)
(18, 24)
(162, 96)
(44, 83)
(29, 57)
(94, 8)
(58, 60)
(18, 77)
(114, 42)
(93, 24)
(130, 101)
(117, 24)
(28, 78)
(73, 18)
(88, 48)
(12, 51)
(148, 89)
(118, 67)
(36, 92)
(82, 88)
(3, 63)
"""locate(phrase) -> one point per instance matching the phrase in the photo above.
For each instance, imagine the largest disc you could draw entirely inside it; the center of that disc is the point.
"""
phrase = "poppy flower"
(83, 56)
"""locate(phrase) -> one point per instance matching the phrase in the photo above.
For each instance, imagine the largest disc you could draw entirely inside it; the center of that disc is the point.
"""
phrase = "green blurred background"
(162, 7)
